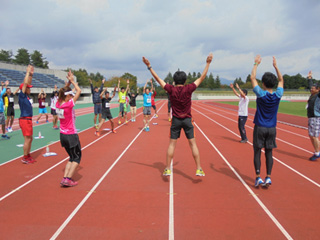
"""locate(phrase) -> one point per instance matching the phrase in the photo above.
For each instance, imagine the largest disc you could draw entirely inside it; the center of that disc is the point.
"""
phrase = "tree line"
(210, 82)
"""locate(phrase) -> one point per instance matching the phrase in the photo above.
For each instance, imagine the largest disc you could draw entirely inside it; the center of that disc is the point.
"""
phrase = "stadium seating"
(39, 80)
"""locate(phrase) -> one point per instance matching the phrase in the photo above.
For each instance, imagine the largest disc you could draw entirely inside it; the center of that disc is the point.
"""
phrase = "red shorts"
(26, 126)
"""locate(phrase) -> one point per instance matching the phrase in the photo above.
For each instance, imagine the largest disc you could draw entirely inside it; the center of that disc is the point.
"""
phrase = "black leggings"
(257, 160)
(74, 153)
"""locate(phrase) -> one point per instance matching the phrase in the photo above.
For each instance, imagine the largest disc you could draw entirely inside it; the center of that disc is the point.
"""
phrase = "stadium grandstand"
(44, 79)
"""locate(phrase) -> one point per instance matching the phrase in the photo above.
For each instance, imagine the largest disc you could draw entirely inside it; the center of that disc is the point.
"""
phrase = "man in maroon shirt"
(180, 97)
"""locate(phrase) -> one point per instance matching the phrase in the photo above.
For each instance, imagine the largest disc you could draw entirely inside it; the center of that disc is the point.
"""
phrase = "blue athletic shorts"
(42, 110)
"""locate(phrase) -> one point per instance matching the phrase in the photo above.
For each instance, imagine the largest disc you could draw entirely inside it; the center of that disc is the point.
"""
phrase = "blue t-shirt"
(25, 103)
(1, 101)
(267, 107)
(147, 99)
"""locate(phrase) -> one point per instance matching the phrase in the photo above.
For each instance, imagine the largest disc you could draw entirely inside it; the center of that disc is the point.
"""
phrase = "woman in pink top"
(68, 134)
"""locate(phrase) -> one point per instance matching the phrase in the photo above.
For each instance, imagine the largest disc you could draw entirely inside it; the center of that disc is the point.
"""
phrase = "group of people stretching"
(179, 96)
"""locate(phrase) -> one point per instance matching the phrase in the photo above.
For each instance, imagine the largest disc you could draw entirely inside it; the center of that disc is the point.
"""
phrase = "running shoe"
(97, 133)
(114, 131)
(132, 120)
(47, 121)
(126, 122)
(169, 119)
(166, 172)
(69, 183)
(258, 182)
(148, 129)
(314, 157)
(37, 122)
(267, 182)
(27, 160)
(63, 181)
(5, 136)
(119, 122)
(10, 129)
(200, 173)
(7, 129)
(244, 141)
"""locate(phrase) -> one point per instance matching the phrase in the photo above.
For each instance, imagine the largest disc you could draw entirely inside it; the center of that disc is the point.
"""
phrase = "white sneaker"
(10, 129)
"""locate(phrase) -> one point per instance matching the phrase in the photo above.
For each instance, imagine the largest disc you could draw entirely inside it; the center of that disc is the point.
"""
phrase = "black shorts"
(264, 137)
(10, 111)
(69, 140)
(154, 107)
(106, 114)
(181, 123)
(53, 112)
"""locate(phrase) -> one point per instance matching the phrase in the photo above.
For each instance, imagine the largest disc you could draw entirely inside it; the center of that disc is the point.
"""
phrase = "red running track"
(123, 195)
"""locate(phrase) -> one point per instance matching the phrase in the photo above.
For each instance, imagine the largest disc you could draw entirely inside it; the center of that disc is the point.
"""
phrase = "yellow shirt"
(6, 101)
(122, 97)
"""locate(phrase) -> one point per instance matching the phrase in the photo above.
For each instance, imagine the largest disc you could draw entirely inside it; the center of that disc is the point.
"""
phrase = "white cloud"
(112, 36)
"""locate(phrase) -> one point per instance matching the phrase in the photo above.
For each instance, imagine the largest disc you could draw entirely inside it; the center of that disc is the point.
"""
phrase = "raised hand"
(310, 74)
(128, 81)
(90, 80)
(103, 80)
(274, 62)
(209, 58)
(146, 61)
(6, 83)
(237, 86)
(231, 85)
(257, 60)
(70, 77)
(30, 70)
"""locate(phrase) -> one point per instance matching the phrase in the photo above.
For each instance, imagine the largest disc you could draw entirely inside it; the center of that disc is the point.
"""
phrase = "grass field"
(293, 108)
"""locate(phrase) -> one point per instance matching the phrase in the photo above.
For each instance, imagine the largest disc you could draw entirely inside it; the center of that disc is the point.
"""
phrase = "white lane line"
(74, 212)
(39, 175)
(292, 169)
(276, 222)
(284, 130)
(279, 139)
(51, 143)
(171, 206)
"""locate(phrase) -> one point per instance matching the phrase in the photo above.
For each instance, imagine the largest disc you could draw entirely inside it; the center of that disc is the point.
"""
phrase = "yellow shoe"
(119, 122)
(200, 173)
(166, 172)
(169, 119)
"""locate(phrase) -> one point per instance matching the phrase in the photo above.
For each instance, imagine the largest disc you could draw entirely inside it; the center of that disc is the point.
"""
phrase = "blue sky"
(112, 36)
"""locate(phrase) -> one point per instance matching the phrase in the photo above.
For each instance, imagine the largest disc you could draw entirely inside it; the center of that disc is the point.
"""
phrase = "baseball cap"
(21, 86)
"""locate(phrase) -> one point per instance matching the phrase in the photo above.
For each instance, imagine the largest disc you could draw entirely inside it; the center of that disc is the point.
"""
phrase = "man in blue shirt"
(25, 120)
(96, 101)
(2, 118)
(265, 119)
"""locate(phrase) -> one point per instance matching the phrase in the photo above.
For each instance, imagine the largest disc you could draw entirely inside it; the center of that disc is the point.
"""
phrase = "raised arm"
(127, 89)
(101, 94)
(71, 81)
(241, 92)
(151, 85)
(41, 91)
(144, 88)
(118, 85)
(253, 79)
(280, 78)
(102, 84)
(205, 71)
(310, 82)
(16, 91)
(28, 78)
(91, 85)
(114, 91)
(234, 90)
(153, 73)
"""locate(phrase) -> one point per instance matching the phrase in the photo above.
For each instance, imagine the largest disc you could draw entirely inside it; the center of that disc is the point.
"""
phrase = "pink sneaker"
(63, 181)
(28, 160)
(69, 183)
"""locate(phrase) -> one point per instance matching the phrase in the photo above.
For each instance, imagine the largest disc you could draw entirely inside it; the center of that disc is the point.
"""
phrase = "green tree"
(169, 78)
(22, 57)
(133, 80)
(239, 81)
(38, 60)
(211, 81)
(6, 56)
(218, 82)
(82, 77)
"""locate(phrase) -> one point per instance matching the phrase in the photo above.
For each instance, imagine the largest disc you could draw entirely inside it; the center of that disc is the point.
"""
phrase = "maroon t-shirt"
(41, 102)
(180, 97)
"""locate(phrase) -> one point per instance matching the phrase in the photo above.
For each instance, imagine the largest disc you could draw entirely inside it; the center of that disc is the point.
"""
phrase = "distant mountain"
(226, 81)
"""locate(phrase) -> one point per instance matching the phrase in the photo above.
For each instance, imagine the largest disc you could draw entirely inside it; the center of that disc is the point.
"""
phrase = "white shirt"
(243, 106)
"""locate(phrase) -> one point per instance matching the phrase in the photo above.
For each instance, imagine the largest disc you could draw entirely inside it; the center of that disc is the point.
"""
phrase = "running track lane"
(291, 198)
(45, 194)
(296, 150)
